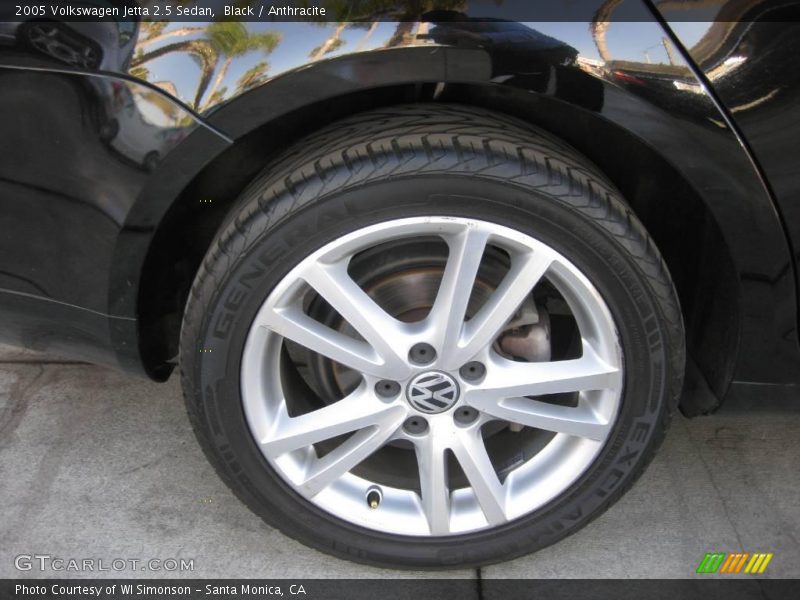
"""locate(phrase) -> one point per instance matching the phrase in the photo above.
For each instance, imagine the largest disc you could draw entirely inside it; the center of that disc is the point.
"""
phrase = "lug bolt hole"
(386, 388)
(415, 425)
(422, 354)
(465, 415)
(472, 371)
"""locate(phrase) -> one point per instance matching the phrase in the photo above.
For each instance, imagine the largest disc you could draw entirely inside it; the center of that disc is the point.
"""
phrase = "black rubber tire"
(445, 160)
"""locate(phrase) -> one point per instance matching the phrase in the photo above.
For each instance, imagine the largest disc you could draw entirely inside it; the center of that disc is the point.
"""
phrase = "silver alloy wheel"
(503, 393)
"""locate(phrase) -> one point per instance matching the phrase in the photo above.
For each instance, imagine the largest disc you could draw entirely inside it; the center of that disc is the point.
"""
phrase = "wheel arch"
(673, 209)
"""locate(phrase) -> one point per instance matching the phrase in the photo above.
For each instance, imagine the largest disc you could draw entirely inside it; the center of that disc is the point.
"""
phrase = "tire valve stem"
(374, 497)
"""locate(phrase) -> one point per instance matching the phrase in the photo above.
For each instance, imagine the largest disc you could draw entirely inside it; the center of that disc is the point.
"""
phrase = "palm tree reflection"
(232, 40)
(253, 77)
(220, 41)
(216, 46)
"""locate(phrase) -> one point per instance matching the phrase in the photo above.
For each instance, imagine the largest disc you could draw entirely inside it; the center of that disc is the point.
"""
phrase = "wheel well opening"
(670, 208)
(188, 228)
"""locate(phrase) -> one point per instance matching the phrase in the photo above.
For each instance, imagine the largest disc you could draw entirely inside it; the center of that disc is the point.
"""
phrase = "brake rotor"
(403, 279)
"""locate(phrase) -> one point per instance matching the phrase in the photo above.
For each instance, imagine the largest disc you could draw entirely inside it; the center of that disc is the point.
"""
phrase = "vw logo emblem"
(432, 392)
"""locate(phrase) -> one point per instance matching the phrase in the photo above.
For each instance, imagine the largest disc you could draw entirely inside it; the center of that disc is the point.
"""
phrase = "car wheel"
(431, 336)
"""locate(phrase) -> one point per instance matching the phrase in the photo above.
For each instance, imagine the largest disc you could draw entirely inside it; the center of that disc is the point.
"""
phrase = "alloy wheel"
(479, 434)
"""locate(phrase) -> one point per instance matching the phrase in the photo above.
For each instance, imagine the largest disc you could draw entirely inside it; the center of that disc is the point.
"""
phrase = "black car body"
(124, 145)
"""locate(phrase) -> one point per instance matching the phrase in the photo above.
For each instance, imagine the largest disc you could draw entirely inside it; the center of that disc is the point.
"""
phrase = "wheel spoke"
(375, 325)
(433, 482)
(292, 323)
(482, 329)
(359, 410)
(449, 310)
(506, 379)
(471, 454)
(324, 471)
(501, 394)
(580, 421)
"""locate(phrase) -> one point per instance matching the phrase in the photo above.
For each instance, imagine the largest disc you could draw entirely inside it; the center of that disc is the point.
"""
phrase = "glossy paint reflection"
(105, 46)
(76, 150)
(207, 64)
(751, 66)
(135, 100)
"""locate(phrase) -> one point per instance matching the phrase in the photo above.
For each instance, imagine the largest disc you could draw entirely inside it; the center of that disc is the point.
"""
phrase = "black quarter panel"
(750, 59)
(77, 151)
(117, 144)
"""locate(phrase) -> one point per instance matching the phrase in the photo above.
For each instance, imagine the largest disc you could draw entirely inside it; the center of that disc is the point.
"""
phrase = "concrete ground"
(96, 464)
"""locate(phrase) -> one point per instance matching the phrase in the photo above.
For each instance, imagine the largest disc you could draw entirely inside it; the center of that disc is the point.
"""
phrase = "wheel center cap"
(432, 392)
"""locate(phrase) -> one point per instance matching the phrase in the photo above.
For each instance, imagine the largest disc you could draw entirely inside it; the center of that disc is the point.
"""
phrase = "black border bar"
(700, 588)
(12, 11)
